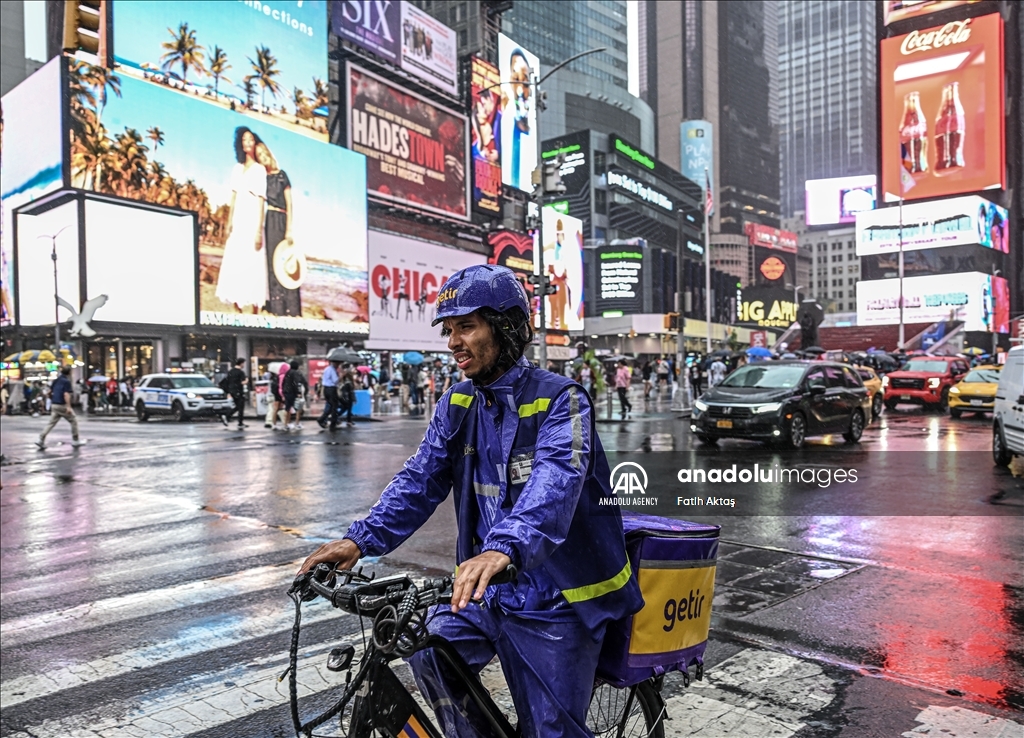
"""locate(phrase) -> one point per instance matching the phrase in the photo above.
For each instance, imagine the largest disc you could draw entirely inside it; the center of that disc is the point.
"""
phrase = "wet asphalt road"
(143, 575)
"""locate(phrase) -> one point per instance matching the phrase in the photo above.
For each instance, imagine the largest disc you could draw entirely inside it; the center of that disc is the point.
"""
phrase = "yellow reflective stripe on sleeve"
(457, 398)
(591, 591)
(539, 405)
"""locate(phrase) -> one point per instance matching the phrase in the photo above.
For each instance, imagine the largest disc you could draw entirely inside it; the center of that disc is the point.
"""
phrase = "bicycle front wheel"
(631, 712)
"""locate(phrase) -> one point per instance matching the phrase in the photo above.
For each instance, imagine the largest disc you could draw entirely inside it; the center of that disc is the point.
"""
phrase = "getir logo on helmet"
(446, 294)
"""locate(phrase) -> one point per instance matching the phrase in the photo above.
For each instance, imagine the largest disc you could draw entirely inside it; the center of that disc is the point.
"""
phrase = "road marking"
(958, 722)
(753, 693)
(228, 631)
(32, 628)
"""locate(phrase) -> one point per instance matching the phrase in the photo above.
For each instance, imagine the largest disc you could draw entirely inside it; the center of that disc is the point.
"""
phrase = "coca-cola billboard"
(942, 110)
(405, 277)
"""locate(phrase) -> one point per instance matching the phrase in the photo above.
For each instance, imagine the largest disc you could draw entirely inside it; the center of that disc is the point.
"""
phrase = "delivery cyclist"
(518, 447)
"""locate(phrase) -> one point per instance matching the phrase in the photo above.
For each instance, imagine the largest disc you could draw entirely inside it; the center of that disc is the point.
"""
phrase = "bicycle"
(380, 705)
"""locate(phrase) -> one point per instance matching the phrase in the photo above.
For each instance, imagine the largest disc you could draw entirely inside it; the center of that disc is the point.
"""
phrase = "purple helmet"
(483, 285)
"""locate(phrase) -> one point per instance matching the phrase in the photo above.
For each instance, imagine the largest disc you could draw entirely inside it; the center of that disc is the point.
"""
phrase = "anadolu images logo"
(632, 478)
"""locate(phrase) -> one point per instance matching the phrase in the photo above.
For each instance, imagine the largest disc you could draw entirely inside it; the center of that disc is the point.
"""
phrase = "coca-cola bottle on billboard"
(914, 134)
(949, 131)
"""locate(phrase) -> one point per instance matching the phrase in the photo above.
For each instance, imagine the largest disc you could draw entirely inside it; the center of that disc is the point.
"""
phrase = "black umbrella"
(344, 355)
(814, 350)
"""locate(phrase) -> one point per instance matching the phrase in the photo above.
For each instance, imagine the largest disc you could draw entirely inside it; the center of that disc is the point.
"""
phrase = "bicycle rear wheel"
(631, 712)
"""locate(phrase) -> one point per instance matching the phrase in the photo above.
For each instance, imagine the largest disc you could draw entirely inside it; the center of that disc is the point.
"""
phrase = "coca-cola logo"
(956, 32)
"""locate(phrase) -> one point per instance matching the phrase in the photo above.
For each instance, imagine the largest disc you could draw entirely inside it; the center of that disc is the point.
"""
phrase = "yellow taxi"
(976, 392)
(874, 385)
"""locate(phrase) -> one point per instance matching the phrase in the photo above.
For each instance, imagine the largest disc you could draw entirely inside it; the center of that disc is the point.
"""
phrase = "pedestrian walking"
(441, 379)
(646, 372)
(294, 389)
(622, 379)
(347, 395)
(60, 407)
(281, 415)
(5, 397)
(329, 380)
(234, 384)
(662, 372)
(716, 372)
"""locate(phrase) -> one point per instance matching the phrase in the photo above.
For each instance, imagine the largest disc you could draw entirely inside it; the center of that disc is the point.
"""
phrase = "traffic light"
(672, 322)
(84, 25)
(552, 177)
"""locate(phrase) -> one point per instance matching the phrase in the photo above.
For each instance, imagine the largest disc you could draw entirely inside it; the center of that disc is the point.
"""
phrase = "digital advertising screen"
(517, 68)
(942, 110)
(485, 135)
(620, 279)
(282, 218)
(766, 307)
(163, 288)
(37, 237)
(405, 276)
(515, 251)
(265, 60)
(697, 151)
(837, 200)
(981, 301)
(957, 221)
(574, 148)
(31, 161)
(416, 151)
(563, 264)
(897, 10)
(402, 35)
(770, 238)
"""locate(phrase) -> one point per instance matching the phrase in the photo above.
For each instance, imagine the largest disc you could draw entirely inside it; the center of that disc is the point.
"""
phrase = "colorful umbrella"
(363, 369)
(412, 357)
(973, 351)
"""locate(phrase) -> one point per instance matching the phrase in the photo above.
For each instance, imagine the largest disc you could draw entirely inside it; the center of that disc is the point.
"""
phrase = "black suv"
(784, 402)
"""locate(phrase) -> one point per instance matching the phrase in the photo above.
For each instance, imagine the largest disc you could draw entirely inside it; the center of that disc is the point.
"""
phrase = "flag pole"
(707, 261)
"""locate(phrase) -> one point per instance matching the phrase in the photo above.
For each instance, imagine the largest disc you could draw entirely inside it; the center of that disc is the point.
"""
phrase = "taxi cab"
(182, 396)
(874, 384)
(976, 392)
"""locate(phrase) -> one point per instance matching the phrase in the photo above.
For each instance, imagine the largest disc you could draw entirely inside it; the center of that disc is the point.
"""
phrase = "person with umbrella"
(347, 394)
(60, 407)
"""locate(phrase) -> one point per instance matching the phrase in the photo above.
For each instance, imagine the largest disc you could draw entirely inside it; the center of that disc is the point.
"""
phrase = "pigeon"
(80, 320)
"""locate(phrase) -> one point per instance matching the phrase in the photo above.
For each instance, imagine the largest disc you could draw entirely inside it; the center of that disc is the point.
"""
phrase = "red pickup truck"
(924, 380)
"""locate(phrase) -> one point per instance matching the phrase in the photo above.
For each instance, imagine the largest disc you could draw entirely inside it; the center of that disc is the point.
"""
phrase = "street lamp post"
(56, 298)
(541, 284)
(796, 293)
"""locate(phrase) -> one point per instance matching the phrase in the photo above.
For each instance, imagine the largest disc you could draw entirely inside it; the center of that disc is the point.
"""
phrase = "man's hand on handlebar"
(345, 553)
(473, 577)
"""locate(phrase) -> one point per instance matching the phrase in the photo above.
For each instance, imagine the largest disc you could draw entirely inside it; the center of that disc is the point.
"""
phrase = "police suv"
(181, 396)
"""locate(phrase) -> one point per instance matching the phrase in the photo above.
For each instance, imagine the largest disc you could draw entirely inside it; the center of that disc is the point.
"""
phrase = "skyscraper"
(715, 61)
(592, 92)
(827, 93)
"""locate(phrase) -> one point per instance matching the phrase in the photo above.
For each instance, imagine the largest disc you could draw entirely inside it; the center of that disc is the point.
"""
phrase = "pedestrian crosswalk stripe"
(31, 628)
(959, 722)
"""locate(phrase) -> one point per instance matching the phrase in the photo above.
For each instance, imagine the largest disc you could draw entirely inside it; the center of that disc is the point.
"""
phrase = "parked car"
(783, 402)
(874, 384)
(181, 396)
(1008, 413)
(976, 392)
(924, 380)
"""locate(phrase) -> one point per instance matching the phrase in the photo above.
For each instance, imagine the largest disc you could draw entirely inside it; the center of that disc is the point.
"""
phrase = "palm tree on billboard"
(249, 89)
(264, 69)
(301, 102)
(320, 95)
(218, 66)
(183, 49)
(155, 135)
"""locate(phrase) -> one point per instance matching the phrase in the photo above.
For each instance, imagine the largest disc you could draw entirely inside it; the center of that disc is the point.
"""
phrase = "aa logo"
(628, 478)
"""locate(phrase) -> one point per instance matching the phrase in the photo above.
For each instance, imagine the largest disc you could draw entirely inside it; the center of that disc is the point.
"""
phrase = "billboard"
(981, 301)
(416, 151)
(766, 307)
(697, 151)
(402, 35)
(957, 221)
(162, 291)
(575, 173)
(897, 10)
(620, 279)
(515, 251)
(624, 182)
(839, 199)
(563, 263)
(517, 68)
(31, 161)
(282, 218)
(485, 135)
(942, 110)
(405, 277)
(38, 235)
(770, 238)
(267, 61)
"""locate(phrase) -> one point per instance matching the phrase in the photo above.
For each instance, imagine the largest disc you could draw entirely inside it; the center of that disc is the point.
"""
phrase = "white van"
(1008, 416)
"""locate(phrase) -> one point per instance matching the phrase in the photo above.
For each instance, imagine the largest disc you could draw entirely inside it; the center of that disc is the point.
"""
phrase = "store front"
(120, 358)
